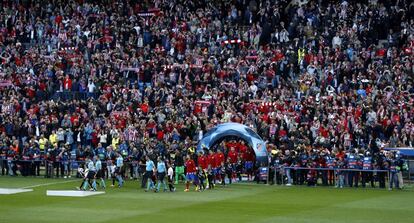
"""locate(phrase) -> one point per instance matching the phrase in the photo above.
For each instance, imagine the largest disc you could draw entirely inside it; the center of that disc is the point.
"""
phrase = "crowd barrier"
(279, 175)
(337, 177)
(49, 168)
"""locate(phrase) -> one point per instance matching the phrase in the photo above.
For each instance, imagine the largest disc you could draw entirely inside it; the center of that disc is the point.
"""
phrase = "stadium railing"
(330, 177)
(281, 175)
(48, 168)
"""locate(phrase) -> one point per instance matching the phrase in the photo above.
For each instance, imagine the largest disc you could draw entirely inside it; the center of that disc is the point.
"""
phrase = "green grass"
(236, 203)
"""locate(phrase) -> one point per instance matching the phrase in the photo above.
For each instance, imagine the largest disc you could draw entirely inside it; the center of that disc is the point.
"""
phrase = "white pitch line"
(47, 184)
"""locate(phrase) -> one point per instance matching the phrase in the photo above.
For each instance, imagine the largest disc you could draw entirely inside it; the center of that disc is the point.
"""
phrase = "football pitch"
(239, 203)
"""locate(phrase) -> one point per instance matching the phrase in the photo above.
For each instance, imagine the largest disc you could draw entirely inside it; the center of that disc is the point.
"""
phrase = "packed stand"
(118, 78)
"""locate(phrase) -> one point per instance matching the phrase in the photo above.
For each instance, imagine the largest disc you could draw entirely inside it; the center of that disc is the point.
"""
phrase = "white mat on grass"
(72, 193)
(13, 190)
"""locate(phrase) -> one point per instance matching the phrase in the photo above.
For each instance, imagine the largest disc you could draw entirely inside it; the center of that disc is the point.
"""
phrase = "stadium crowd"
(321, 79)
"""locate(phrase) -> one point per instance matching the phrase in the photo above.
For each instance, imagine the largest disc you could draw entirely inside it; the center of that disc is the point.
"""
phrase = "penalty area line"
(48, 184)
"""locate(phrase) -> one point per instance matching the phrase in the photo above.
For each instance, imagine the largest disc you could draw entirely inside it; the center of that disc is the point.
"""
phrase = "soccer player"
(219, 160)
(191, 173)
(232, 157)
(211, 160)
(161, 169)
(179, 166)
(99, 172)
(202, 161)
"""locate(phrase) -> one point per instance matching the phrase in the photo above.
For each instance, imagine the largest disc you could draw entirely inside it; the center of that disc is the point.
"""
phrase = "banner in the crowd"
(106, 39)
(120, 113)
(219, 132)
(228, 84)
(203, 104)
(136, 69)
(5, 83)
(252, 57)
(150, 12)
(182, 66)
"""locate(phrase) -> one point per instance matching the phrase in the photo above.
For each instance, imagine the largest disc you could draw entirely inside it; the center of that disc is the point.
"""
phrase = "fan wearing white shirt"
(336, 41)
(103, 138)
(91, 89)
(253, 89)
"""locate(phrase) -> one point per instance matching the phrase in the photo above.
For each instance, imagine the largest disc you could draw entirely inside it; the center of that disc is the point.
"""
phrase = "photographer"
(287, 160)
(65, 161)
(367, 176)
(3, 159)
(26, 161)
(381, 164)
(393, 166)
(36, 157)
(12, 157)
(352, 161)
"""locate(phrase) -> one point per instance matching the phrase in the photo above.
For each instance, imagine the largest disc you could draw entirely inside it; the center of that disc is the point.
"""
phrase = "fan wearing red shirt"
(198, 108)
(67, 83)
(160, 135)
(282, 134)
(324, 131)
(191, 172)
(144, 108)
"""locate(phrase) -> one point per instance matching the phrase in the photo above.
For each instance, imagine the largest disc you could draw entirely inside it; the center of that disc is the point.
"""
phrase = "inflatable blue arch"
(218, 132)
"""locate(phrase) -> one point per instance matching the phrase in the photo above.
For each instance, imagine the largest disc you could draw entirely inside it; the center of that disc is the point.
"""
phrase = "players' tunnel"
(217, 133)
